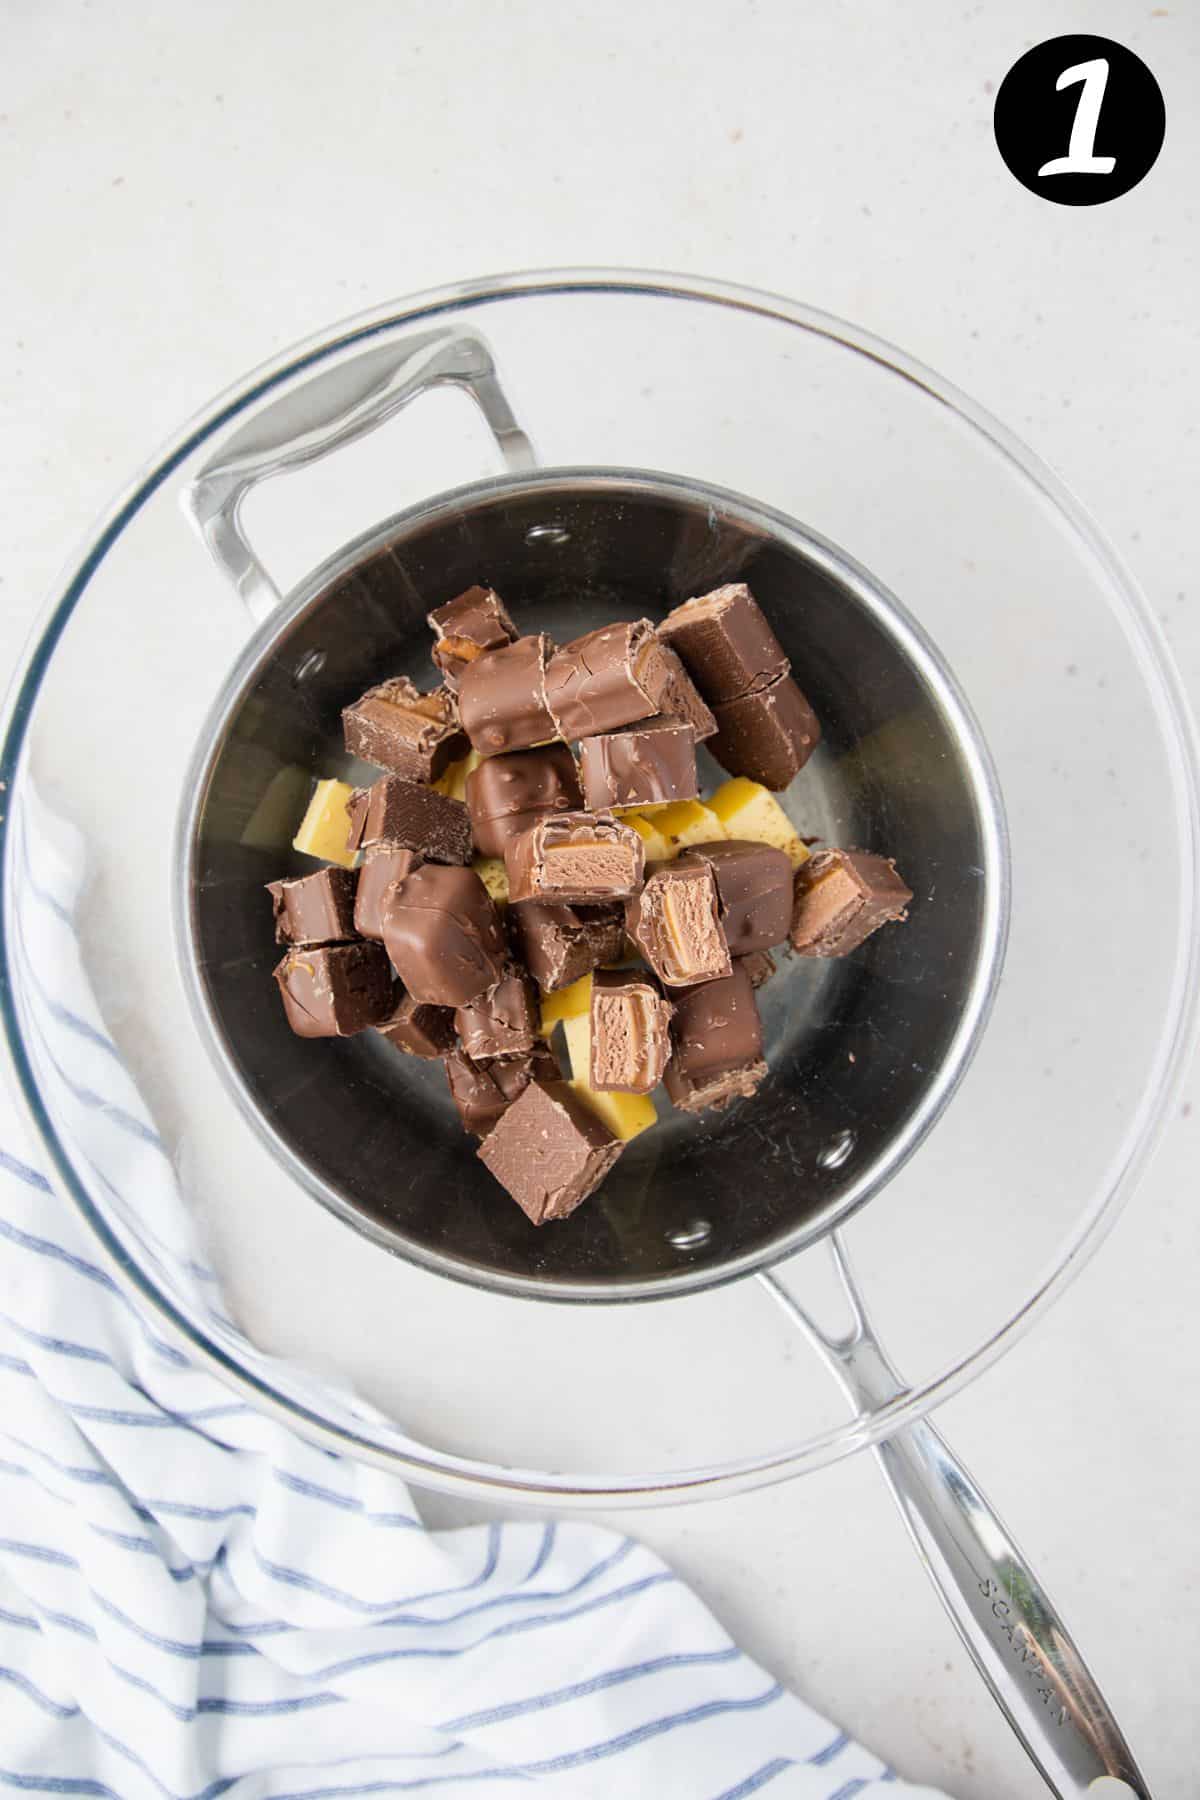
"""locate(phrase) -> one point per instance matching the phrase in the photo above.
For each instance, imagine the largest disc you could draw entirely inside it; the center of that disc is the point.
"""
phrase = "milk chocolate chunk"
(607, 678)
(397, 727)
(558, 944)
(754, 888)
(768, 734)
(482, 1092)
(675, 923)
(507, 794)
(336, 989)
(502, 698)
(717, 1043)
(841, 897)
(680, 698)
(582, 858)
(382, 868)
(315, 909)
(549, 1151)
(725, 642)
(503, 1022)
(443, 934)
(477, 621)
(419, 1030)
(630, 1032)
(713, 1093)
(407, 815)
(759, 966)
(643, 765)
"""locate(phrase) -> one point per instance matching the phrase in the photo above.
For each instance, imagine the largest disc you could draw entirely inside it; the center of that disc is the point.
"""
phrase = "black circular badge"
(1079, 120)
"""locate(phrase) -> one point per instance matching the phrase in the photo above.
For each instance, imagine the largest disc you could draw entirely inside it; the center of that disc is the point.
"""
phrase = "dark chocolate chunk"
(397, 727)
(335, 990)
(581, 858)
(629, 1032)
(644, 765)
(680, 698)
(754, 888)
(608, 678)
(503, 1022)
(506, 794)
(502, 698)
(315, 909)
(549, 1151)
(725, 642)
(381, 869)
(759, 966)
(443, 933)
(841, 897)
(465, 628)
(715, 1033)
(407, 815)
(767, 735)
(419, 1029)
(676, 924)
(483, 1091)
(558, 944)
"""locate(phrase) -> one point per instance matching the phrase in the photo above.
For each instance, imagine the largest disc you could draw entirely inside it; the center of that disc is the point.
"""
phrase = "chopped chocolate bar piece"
(768, 734)
(506, 794)
(549, 1151)
(611, 677)
(382, 868)
(558, 944)
(759, 966)
(713, 1093)
(407, 815)
(680, 698)
(842, 896)
(335, 990)
(581, 858)
(483, 1091)
(648, 764)
(468, 626)
(754, 887)
(725, 642)
(630, 1032)
(502, 697)
(398, 727)
(675, 923)
(315, 909)
(419, 1030)
(443, 933)
(503, 1022)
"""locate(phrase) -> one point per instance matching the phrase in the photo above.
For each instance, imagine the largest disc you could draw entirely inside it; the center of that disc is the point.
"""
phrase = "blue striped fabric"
(194, 1602)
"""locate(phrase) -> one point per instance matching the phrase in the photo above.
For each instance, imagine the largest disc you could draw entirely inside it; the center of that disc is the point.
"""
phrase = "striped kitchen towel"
(194, 1601)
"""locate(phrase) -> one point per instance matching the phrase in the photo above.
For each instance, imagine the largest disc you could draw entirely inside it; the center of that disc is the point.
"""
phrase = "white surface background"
(185, 191)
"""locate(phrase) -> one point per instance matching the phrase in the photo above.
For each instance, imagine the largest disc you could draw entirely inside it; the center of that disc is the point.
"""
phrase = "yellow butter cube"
(626, 1115)
(658, 845)
(685, 822)
(749, 811)
(326, 825)
(566, 1003)
(453, 781)
(577, 1029)
(494, 876)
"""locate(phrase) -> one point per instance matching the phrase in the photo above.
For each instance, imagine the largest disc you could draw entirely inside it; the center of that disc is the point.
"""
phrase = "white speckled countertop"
(180, 200)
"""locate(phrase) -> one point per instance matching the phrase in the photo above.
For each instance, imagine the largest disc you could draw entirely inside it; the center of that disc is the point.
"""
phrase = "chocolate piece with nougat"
(314, 909)
(443, 934)
(754, 888)
(630, 1031)
(648, 764)
(482, 1091)
(409, 815)
(419, 1029)
(506, 794)
(397, 727)
(560, 943)
(767, 735)
(841, 897)
(383, 866)
(725, 642)
(580, 858)
(502, 698)
(503, 1022)
(676, 924)
(549, 1151)
(466, 628)
(608, 678)
(334, 990)
(717, 1044)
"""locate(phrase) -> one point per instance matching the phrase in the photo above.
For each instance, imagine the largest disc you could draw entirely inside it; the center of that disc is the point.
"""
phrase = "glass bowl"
(818, 433)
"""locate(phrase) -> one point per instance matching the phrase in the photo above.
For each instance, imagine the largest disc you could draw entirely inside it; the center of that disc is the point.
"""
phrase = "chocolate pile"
(502, 875)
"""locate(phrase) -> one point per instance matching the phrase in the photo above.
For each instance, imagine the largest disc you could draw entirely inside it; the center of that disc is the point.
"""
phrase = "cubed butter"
(494, 876)
(626, 1115)
(325, 827)
(752, 812)
(566, 1003)
(453, 781)
(685, 822)
(658, 845)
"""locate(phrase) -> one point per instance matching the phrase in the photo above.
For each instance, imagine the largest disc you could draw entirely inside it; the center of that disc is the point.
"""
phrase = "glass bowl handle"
(996, 1603)
(312, 417)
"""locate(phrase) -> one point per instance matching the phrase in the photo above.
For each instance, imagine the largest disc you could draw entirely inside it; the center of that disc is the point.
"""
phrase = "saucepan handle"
(314, 416)
(1006, 1620)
